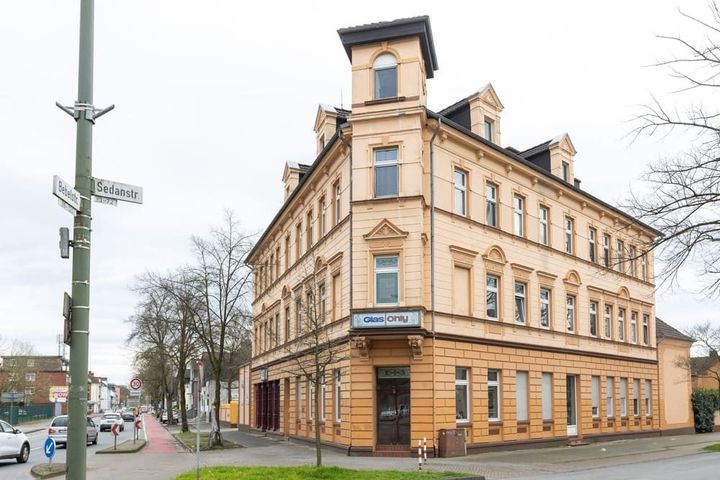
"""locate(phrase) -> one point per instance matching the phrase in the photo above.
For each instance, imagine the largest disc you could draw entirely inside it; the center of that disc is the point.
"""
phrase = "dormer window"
(385, 72)
(566, 171)
(488, 130)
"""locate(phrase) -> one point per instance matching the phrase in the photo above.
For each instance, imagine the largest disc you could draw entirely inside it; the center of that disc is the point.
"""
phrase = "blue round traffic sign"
(49, 447)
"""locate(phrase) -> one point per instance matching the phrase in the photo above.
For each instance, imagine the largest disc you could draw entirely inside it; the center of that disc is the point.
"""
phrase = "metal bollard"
(424, 450)
(420, 461)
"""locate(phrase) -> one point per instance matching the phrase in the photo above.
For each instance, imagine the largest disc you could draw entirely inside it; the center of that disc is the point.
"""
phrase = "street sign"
(66, 193)
(106, 201)
(137, 424)
(136, 384)
(49, 448)
(67, 319)
(58, 394)
(11, 397)
(116, 190)
(115, 429)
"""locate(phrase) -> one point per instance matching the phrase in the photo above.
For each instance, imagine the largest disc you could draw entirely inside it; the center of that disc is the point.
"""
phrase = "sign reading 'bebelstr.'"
(66, 193)
(387, 319)
(117, 190)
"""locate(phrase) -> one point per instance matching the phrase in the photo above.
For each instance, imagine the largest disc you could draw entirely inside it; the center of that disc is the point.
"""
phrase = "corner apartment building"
(34, 376)
(467, 285)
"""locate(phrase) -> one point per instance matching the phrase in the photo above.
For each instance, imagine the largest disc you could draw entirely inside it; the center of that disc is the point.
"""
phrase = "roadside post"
(136, 430)
(49, 448)
(199, 366)
(114, 430)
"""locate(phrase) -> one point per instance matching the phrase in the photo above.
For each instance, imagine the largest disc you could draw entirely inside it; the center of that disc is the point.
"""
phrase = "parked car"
(164, 417)
(13, 443)
(110, 419)
(128, 416)
(58, 430)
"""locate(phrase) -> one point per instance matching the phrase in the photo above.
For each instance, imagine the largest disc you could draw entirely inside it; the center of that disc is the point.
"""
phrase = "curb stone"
(48, 470)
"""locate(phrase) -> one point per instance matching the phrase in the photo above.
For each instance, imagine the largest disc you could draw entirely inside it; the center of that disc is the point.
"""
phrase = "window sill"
(523, 422)
(548, 422)
(380, 101)
(463, 424)
(495, 423)
(336, 423)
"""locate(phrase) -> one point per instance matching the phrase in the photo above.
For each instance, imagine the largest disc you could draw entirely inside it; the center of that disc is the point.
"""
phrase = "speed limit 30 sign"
(136, 384)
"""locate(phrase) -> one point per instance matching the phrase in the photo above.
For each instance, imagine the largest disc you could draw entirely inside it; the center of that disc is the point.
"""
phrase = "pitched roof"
(663, 330)
(699, 364)
(400, 28)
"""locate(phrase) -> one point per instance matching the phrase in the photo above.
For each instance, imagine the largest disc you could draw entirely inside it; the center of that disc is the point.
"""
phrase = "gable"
(385, 230)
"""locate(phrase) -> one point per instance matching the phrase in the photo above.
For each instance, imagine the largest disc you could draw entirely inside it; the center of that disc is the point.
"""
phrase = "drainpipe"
(350, 261)
(432, 265)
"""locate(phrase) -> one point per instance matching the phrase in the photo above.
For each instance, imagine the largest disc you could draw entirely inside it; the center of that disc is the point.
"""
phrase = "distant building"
(35, 377)
(706, 371)
(673, 351)
(466, 285)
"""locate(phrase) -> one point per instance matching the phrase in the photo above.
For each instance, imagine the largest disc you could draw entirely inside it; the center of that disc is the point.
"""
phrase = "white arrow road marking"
(48, 449)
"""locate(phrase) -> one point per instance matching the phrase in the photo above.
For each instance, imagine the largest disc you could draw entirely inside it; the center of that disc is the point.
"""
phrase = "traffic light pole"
(84, 114)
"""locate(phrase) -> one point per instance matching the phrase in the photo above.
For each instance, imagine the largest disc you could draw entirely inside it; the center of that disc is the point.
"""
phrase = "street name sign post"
(67, 194)
(11, 397)
(117, 191)
(49, 448)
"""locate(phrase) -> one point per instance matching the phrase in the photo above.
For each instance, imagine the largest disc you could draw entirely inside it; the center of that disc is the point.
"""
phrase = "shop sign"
(393, 372)
(386, 319)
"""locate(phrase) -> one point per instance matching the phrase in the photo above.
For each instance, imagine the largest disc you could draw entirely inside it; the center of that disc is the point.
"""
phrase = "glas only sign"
(386, 319)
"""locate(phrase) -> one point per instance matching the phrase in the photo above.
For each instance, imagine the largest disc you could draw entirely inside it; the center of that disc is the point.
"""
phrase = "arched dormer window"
(385, 72)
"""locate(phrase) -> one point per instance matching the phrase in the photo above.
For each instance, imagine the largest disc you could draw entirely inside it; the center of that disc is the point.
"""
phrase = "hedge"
(705, 403)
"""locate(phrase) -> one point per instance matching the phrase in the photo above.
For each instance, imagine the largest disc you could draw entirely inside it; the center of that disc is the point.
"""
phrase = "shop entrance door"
(571, 405)
(393, 406)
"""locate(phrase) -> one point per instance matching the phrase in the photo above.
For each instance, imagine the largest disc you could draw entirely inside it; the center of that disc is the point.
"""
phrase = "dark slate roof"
(544, 172)
(535, 150)
(400, 28)
(699, 364)
(663, 330)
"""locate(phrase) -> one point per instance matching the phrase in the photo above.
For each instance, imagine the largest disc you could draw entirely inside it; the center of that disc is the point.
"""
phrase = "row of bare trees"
(200, 311)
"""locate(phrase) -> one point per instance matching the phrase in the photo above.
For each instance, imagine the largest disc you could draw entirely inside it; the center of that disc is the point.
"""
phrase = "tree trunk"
(215, 438)
(183, 405)
(316, 419)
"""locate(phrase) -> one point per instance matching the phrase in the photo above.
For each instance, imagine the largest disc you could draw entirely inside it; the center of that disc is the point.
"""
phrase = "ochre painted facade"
(403, 279)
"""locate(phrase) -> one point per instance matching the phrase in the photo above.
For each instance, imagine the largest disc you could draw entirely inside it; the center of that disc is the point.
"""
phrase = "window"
(521, 393)
(569, 234)
(493, 395)
(544, 307)
(595, 396)
(311, 399)
(633, 327)
(488, 129)
(338, 390)
(609, 394)
(298, 398)
(607, 321)
(30, 377)
(636, 397)
(491, 296)
(310, 311)
(648, 403)
(322, 398)
(298, 241)
(462, 397)
(386, 172)
(518, 215)
(520, 311)
(621, 324)
(543, 234)
(459, 178)
(491, 205)
(632, 252)
(323, 303)
(309, 231)
(287, 324)
(30, 362)
(277, 263)
(593, 318)
(323, 218)
(570, 313)
(566, 171)
(336, 300)
(298, 317)
(385, 73)
(29, 392)
(276, 336)
(606, 250)
(592, 247)
(645, 329)
(619, 256)
(547, 396)
(272, 267)
(623, 397)
(287, 252)
(461, 290)
(643, 266)
(386, 279)
(337, 203)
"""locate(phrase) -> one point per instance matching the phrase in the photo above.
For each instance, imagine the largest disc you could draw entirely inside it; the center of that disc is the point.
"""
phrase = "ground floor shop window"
(462, 395)
(267, 405)
(393, 405)
(493, 395)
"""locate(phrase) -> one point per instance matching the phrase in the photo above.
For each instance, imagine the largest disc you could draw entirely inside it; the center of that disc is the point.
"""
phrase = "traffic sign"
(49, 448)
(136, 383)
(118, 191)
(11, 397)
(138, 425)
(63, 191)
(115, 429)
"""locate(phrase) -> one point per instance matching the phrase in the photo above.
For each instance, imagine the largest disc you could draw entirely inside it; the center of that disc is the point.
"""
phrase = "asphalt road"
(10, 469)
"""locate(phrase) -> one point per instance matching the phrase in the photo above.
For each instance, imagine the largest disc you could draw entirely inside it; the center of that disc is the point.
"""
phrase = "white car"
(13, 443)
(110, 419)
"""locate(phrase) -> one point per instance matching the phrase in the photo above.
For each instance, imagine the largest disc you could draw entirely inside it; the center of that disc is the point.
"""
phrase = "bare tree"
(15, 369)
(684, 191)
(707, 340)
(222, 282)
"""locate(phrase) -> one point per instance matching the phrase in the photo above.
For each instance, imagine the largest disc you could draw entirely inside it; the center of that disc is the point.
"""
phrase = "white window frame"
(298, 398)
(646, 329)
(488, 129)
(648, 398)
(636, 397)
(566, 171)
(595, 396)
(547, 396)
(620, 255)
(606, 250)
(491, 191)
(544, 232)
(632, 252)
(594, 318)
(621, 324)
(520, 290)
(323, 217)
(496, 291)
(610, 397)
(545, 305)
(519, 215)
(569, 225)
(337, 202)
(592, 244)
(338, 399)
(395, 270)
(494, 383)
(570, 324)
(460, 191)
(633, 327)
(522, 391)
(386, 164)
(382, 63)
(607, 321)
(623, 397)
(323, 389)
(311, 399)
(322, 293)
(463, 383)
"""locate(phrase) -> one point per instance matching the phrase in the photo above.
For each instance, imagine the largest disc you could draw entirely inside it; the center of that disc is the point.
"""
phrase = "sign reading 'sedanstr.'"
(387, 319)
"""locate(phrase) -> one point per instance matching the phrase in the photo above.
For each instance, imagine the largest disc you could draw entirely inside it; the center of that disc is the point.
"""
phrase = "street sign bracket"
(88, 109)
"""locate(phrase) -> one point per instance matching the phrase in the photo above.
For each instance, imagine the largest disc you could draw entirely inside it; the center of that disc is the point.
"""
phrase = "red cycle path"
(159, 439)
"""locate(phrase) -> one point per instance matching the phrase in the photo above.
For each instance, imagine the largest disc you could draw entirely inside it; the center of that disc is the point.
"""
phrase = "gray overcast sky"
(213, 97)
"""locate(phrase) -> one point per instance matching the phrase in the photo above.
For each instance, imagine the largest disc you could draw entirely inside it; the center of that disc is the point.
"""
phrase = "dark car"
(128, 416)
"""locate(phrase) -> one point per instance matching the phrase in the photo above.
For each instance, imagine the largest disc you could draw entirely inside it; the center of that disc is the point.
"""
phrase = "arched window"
(385, 70)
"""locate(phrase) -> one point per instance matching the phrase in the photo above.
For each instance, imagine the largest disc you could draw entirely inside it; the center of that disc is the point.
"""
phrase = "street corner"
(128, 446)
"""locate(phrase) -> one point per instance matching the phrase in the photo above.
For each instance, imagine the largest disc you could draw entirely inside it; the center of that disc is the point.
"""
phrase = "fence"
(15, 415)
